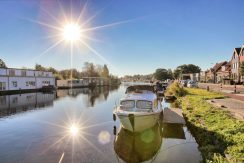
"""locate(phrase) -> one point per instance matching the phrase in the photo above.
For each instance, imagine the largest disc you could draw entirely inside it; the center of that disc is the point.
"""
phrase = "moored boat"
(139, 109)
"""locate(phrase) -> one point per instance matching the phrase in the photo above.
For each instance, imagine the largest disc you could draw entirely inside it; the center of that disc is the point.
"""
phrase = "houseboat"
(24, 80)
(83, 82)
(139, 109)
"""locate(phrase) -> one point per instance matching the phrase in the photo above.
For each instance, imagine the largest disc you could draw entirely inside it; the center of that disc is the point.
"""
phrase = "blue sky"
(160, 33)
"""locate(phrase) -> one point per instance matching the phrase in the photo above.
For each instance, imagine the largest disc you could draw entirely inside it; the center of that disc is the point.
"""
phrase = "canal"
(77, 126)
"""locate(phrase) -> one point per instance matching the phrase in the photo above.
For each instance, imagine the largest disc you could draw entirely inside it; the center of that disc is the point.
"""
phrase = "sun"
(74, 130)
(72, 32)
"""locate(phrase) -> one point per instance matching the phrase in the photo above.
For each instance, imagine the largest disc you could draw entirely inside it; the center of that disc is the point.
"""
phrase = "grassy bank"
(220, 137)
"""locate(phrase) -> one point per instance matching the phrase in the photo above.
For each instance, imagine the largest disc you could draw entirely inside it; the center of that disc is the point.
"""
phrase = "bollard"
(207, 88)
(235, 88)
(221, 87)
(114, 117)
(114, 130)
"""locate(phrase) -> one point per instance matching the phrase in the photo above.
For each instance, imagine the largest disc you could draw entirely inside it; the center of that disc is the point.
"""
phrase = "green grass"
(176, 90)
(220, 136)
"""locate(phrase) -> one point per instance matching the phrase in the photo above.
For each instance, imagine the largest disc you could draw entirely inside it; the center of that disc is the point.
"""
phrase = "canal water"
(77, 126)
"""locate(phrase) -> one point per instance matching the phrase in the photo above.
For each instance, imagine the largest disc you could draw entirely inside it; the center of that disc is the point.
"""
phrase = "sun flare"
(74, 130)
(72, 32)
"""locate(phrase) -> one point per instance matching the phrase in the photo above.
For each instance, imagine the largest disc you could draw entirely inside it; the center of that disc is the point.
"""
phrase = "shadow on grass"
(210, 143)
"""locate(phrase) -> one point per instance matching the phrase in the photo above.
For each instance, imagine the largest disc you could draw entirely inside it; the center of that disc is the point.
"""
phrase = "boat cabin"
(139, 98)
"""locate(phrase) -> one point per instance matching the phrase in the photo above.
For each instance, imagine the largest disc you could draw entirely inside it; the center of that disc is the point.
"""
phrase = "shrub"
(176, 90)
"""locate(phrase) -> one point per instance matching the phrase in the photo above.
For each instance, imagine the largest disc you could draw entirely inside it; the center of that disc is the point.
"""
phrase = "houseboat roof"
(25, 69)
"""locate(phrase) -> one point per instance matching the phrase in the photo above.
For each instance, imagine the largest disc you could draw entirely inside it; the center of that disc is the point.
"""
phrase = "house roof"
(217, 66)
(228, 66)
(238, 50)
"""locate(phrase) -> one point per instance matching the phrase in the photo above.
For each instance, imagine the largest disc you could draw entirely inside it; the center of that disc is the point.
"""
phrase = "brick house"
(218, 73)
(235, 65)
(241, 55)
(223, 73)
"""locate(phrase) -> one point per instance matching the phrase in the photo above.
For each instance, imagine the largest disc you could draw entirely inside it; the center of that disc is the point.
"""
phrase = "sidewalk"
(235, 107)
(235, 102)
(227, 90)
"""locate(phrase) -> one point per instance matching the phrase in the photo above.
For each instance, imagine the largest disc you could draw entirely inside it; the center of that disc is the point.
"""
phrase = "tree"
(161, 74)
(170, 74)
(89, 70)
(99, 69)
(53, 70)
(40, 68)
(2, 64)
(185, 69)
(105, 72)
(177, 73)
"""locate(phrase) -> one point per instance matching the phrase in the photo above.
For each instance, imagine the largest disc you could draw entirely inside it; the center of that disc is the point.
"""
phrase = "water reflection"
(173, 131)
(97, 94)
(161, 143)
(71, 132)
(14, 104)
(164, 142)
(138, 147)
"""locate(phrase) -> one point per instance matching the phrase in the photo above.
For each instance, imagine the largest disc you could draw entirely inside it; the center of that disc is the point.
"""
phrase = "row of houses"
(83, 82)
(12, 79)
(226, 72)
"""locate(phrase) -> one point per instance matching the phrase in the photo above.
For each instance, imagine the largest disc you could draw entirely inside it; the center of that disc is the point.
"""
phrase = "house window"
(45, 82)
(23, 73)
(11, 72)
(2, 86)
(14, 83)
(30, 83)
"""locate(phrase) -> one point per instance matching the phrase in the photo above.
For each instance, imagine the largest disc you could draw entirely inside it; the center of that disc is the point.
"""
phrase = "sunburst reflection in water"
(74, 136)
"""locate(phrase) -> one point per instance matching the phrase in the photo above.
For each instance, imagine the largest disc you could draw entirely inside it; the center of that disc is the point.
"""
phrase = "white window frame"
(15, 84)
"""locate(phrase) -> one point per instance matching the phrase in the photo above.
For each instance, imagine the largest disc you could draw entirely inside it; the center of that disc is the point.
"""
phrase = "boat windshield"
(141, 104)
(127, 104)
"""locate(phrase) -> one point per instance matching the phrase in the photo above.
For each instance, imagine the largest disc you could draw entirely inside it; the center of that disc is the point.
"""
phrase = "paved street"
(235, 102)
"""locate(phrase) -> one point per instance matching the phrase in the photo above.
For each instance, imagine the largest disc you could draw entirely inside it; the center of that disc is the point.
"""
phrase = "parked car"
(192, 84)
(183, 83)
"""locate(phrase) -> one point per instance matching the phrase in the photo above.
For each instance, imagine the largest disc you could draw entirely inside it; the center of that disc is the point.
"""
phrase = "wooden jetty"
(173, 115)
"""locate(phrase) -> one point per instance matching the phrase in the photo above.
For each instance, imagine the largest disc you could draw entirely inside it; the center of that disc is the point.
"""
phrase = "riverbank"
(219, 135)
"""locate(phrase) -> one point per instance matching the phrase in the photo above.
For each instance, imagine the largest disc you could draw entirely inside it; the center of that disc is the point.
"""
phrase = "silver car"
(192, 84)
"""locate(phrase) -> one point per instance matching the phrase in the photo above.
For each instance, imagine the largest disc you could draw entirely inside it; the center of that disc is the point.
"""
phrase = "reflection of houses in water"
(12, 104)
(94, 95)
